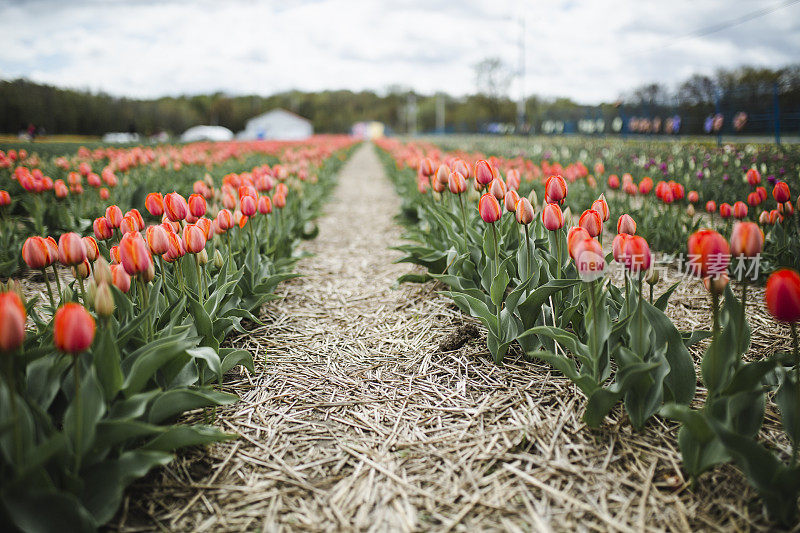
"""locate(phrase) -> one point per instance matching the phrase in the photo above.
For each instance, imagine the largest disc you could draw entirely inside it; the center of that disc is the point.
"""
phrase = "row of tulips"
(96, 378)
(535, 282)
(54, 194)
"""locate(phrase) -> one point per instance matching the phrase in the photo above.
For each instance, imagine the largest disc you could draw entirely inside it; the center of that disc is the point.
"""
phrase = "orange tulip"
(783, 295)
(120, 278)
(709, 253)
(555, 190)
(637, 254)
(175, 207)
(747, 239)
(102, 229)
(592, 222)
(154, 203)
(5, 198)
(197, 205)
(725, 210)
(626, 224)
(739, 210)
(129, 225)
(601, 206)
(71, 249)
(443, 174)
(618, 247)
(524, 211)
(613, 181)
(510, 200)
(693, 197)
(225, 220)
(36, 253)
(73, 329)
(279, 200)
(12, 321)
(457, 183)
(483, 172)
(753, 177)
(265, 205)
(205, 225)
(92, 250)
(460, 166)
(489, 208)
(575, 235)
(157, 239)
(194, 239)
(711, 206)
(646, 185)
(588, 256)
(114, 215)
(552, 217)
(134, 254)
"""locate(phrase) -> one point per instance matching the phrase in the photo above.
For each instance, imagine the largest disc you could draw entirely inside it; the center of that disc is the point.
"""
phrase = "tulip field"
(543, 304)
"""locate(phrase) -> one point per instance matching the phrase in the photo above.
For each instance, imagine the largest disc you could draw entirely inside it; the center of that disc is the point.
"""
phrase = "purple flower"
(725, 177)
(772, 179)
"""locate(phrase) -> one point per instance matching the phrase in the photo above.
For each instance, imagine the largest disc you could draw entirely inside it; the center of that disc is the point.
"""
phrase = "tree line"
(61, 110)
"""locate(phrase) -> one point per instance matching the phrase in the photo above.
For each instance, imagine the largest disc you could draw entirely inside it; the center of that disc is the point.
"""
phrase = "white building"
(207, 133)
(277, 124)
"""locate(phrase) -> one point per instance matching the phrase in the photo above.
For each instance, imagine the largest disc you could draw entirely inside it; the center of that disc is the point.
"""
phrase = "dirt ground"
(375, 408)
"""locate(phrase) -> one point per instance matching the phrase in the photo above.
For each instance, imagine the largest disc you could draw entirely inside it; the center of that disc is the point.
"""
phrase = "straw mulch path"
(375, 408)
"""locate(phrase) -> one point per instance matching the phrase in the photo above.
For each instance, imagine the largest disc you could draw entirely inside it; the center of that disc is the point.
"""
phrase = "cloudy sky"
(590, 50)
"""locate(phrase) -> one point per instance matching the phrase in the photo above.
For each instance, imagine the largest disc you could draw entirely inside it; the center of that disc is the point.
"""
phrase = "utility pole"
(521, 102)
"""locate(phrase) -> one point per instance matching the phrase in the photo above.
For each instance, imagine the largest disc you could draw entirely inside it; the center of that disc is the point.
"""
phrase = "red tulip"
(637, 254)
(601, 206)
(137, 217)
(781, 192)
(12, 321)
(73, 328)
(279, 200)
(576, 234)
(716, 284)
(154, 203)
(613, 181)
(618, 247)
(555, 189)
(120, 278)
(626, 224)
(693, 197)
(709, 253)
(588, 257)
(194, 239)
(197, 205)
(510, 200)
(725, 210)
(5, 198)
(460, 166)
(443, 174)
(426, 167)
(225, 220)
(739, 210)
(753, 177)
(552, 217)
(438, 186)
(753, 199)
(711, 206)
(646, 185)
(71, 250)
(457, 183)
(102, 229)
(129, 225)
(483, 172)
(489, 208)
(524, 211)
(513, 179)
(592, 222)
(249, 206)
(36, 253)
(783, 295)
(157, 239)
(265, 205)
(134, 254)
(175, 207)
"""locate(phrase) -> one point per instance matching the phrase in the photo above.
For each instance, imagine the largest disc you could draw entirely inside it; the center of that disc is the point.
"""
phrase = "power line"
(702, 32)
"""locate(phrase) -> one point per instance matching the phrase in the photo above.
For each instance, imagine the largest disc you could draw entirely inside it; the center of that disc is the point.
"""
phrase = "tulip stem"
(58, 281)
(715, 311)
(12, 391)
(558, 249)
(199, 279)
(793, 325)
(464, 221)
(596, 355)
(639, 317)
(496, 253)
(741, 347)
(49, 288)
(528, 252)
(78, 415)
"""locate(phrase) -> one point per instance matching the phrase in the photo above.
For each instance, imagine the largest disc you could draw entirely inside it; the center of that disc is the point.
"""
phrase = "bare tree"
(492, 77)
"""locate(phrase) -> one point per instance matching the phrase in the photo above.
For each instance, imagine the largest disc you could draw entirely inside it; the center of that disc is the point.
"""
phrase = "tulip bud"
(510, 200)
(202, 257)
(652, 277)
(690, 210)
(533, 198)
(568, 215)
(120, 278)
(498, 189)
(12, 321)
(104, 300)
(73, 329)
(91, 290)
(81, 270)
(716, 284)
(150, 273)
(601, 206)
(102, 272)
(626, 224)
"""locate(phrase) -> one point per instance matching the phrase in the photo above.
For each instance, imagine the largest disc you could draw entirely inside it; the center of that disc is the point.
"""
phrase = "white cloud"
(590, 50)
